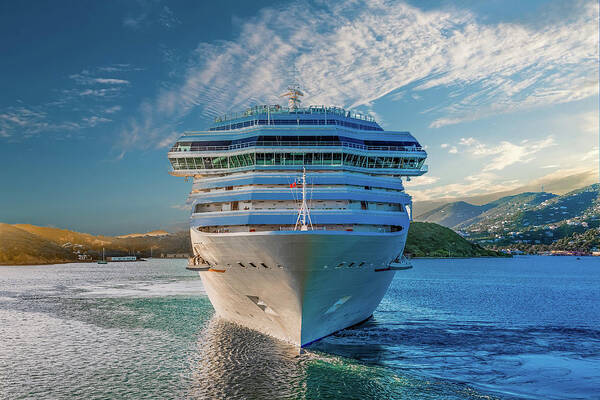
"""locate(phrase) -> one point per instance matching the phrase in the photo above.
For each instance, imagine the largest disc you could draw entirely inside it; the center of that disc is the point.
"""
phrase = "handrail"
(277, 109)
(179, 147)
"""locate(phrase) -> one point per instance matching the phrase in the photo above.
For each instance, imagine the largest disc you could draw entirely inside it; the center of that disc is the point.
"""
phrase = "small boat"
(103, 261)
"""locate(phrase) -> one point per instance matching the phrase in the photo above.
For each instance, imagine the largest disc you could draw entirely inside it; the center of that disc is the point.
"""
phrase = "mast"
(293, 94)
(303, 221)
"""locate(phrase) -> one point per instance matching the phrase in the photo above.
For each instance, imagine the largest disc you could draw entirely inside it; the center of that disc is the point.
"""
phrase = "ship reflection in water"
(235, 362)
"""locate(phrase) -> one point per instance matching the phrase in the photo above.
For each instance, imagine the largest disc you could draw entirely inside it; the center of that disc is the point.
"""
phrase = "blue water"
(527, 327)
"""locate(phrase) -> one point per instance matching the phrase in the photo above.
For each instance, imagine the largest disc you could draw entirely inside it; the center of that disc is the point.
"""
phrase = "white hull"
(303, 292)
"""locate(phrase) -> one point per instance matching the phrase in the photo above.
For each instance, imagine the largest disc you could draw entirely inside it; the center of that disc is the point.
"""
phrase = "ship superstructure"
(297, 214)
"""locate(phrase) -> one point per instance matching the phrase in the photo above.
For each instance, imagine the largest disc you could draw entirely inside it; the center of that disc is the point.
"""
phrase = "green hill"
(427, 239)
(531, 219)
(587, 241)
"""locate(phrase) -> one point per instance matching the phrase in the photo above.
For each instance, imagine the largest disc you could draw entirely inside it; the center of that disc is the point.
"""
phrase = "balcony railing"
(178, 148)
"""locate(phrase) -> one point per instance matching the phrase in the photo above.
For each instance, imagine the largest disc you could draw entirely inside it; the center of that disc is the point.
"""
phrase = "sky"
(500, 93)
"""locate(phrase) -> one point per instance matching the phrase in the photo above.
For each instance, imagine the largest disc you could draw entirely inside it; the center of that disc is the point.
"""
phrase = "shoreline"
(412, 258)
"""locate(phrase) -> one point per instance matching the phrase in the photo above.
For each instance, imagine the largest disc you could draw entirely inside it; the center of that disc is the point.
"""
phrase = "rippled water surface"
(527, 327)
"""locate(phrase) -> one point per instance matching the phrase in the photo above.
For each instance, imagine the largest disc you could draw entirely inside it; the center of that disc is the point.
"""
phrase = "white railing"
(277, 109)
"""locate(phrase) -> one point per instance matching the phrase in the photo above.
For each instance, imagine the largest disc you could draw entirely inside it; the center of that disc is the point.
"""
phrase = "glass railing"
(277, 109)
(178, 148)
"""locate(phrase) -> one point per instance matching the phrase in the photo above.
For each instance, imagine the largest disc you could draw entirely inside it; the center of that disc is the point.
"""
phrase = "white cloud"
(105, 92)
(591, 155)
(481, 183)
(421, 181)
(87, 78)
(111, 81)
(588, 123)
(77, 107)
(444, 145)
(151, 13)
(94, 120)
(351, 53)
(27, 122)
(453, 150)
(489, 182)
(113, 109)
(505, 153)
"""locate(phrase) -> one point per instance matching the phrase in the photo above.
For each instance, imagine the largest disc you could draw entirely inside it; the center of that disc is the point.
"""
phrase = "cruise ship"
(299, 215)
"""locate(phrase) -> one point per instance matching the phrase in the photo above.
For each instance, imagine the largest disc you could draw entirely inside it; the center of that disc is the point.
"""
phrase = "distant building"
(175, 255)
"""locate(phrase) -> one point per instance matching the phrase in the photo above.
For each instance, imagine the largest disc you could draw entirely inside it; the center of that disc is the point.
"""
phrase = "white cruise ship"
(299, 216)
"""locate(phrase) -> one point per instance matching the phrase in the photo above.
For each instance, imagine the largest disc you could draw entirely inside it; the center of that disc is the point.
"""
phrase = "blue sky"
(502, 93)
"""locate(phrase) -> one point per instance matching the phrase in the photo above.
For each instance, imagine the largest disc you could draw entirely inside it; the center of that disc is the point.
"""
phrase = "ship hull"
(297, 286)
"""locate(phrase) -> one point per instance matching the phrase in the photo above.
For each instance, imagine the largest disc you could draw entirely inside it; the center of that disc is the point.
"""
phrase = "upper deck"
(282, 116)
(316, 137)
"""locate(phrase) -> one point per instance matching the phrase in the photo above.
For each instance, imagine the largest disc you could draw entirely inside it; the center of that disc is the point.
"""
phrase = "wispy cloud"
(505, 153)
(95, 120)
(104, 92)
(112, 110)
(355, 52)
(481, 183)
(151, 12)
(111, 81)
(78, 106)
(26, 122)
(422, 181)
(86, 77)
(561, 181)
(591, 154)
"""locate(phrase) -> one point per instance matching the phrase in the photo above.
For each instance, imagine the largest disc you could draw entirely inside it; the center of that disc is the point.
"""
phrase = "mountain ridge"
(525, 218)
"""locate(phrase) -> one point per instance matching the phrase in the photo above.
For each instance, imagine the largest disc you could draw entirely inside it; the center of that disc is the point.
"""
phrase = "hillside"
(501, 211)
(29, 244)
(432, 240)
(19, 247)
(586, 242)
(63, 236)
(452, 214)
(152, 233)
(523, 220)
(461, 214)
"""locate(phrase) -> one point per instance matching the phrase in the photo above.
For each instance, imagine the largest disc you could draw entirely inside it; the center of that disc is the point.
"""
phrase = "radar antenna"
(293, 95)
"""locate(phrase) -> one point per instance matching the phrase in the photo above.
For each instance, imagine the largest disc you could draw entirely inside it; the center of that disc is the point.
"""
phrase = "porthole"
(252, 264)
(241, 265)
(264, 265)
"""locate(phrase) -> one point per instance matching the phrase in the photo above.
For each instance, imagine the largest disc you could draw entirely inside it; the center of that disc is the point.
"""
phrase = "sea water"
(527, 327)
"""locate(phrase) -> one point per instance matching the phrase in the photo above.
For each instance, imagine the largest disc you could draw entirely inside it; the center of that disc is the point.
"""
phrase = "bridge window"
(296, 158)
